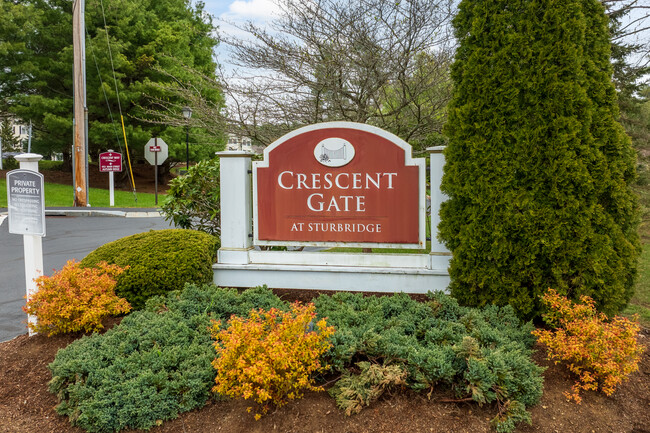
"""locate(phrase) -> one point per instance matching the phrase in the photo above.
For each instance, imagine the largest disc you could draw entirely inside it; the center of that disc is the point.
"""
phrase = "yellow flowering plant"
(601, 352)
(76, 299)
(270, 356)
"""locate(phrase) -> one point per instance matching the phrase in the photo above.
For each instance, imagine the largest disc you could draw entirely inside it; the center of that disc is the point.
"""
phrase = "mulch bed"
(26, 406)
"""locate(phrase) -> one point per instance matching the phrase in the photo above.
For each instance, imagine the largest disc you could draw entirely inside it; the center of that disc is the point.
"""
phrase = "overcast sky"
(240, 9)
(225, 11)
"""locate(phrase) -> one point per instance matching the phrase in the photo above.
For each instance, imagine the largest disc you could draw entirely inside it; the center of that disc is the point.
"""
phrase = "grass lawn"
(57, 195)
(640, 302)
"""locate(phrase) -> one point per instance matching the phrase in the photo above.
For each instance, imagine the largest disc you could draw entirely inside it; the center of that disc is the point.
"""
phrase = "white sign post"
(26, 212)
(155, 152)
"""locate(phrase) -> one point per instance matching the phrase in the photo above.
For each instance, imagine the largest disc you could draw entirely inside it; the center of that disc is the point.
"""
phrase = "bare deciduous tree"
(632, 27)
(203, 94)
(374, 61)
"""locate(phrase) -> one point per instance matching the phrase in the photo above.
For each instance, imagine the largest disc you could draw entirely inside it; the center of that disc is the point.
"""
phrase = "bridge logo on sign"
(334, 152)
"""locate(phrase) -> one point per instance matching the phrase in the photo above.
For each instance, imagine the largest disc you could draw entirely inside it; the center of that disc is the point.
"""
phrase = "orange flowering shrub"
(270, 356)
(76, 299)
(601, 352)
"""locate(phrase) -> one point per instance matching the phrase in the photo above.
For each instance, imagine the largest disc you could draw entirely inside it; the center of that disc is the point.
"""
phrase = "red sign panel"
(110, 161)
(339, 183)
(154, 148)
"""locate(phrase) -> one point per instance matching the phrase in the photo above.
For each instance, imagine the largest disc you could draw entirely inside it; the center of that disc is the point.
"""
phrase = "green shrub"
(157, 362)
(159, 261)
(193, 199)
(538, 171)
(483, 354)
(154, 365)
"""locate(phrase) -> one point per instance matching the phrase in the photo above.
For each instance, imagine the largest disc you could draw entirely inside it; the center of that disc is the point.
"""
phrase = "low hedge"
(159, 261)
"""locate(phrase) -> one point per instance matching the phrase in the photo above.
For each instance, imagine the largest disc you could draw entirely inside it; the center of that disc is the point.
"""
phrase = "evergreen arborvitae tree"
(538, 170)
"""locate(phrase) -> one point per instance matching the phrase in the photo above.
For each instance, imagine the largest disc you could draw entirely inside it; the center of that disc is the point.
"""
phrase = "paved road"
(68, 237)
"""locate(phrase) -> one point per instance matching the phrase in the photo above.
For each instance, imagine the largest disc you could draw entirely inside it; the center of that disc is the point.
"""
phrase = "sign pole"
(155, 168)
(152, 149)
(111, 187)
(32, 243)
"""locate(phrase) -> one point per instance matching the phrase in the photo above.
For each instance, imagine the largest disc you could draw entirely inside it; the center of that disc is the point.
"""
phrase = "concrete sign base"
(388, 280)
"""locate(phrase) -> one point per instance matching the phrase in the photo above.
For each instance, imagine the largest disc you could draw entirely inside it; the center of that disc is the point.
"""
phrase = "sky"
(240, 9)
(261, 11)
(237, 11)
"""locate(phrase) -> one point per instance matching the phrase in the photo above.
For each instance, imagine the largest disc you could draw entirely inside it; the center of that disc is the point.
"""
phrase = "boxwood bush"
(154, 365)
(158, 261)
(482, 354)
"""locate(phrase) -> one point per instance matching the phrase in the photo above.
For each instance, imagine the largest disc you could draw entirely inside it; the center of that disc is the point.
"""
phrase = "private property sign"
(339, 184)
(26, 202)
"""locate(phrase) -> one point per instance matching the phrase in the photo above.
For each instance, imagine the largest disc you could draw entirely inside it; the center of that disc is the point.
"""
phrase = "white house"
(20, 131)
(238, 142)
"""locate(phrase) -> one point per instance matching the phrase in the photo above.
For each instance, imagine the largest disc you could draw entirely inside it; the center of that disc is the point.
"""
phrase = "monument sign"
(334, 186)
(330, 184)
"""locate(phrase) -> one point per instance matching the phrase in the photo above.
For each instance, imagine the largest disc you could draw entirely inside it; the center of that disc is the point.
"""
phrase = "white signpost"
(156, 152)
(26, 212)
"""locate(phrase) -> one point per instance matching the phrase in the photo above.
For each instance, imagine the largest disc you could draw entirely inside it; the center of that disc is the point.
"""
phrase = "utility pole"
(80, 155)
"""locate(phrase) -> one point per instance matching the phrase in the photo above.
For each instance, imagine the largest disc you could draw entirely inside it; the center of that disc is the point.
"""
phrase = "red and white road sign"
(110, 162)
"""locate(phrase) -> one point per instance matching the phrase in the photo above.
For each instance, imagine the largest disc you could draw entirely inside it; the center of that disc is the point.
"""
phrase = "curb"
(139, 213)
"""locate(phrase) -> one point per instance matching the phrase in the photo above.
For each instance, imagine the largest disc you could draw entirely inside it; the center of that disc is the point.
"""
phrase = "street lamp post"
(187, 113)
